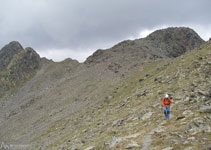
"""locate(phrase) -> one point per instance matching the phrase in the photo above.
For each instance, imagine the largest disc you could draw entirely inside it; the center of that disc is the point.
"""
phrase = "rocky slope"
(110, 101)
(131, 118)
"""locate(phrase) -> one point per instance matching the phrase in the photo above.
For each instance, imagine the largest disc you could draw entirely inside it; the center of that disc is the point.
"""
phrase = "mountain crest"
(13, 46)
(113, 102)
(17, 65)
(175, 41)
(165, 43)
(7, 53)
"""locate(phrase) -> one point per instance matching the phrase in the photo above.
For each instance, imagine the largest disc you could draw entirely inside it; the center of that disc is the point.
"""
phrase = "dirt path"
(147, 141)
(148, 138)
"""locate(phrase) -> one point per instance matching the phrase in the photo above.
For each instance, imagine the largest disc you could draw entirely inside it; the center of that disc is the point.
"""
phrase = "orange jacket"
(166, 102)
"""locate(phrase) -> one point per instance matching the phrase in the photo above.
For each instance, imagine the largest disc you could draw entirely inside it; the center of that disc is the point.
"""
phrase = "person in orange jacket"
(166, 103)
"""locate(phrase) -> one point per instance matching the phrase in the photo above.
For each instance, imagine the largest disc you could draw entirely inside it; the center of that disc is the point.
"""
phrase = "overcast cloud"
(58, 29)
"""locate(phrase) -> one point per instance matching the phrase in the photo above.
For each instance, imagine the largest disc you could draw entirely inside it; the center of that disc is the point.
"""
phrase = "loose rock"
(133, 145)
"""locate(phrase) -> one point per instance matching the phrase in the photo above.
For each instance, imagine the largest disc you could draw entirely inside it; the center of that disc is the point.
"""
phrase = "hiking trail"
(148, 138)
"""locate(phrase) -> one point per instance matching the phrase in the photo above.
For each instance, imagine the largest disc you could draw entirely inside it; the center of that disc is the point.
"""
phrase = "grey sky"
(59, 29)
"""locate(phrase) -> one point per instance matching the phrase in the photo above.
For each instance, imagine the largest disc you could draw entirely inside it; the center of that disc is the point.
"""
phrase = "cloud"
(82, 26)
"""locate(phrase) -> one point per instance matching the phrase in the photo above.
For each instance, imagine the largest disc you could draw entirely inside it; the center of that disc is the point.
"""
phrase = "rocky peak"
(7, 53)
(173, 33)
(17, 65)
(165, 43)
(177, 40)
(12, 46)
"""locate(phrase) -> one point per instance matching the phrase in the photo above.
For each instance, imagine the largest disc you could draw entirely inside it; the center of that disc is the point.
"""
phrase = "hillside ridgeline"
(111, 101)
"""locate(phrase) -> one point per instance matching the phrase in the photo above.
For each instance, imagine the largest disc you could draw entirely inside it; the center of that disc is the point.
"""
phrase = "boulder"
(133, 145)
(117, 122)
(90, 148)
(159, 129)
(113, 142)
(147, 116)
(180, 117)
(205, 109)
(204, 93)
(187, 112)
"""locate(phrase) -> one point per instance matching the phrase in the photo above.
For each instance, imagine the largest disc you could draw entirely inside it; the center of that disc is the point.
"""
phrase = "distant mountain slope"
(69, 94)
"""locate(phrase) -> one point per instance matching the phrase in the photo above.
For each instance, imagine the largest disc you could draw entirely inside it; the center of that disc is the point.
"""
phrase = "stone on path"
(147, 116)
(90, 148)
(133, 145)
(205, 109)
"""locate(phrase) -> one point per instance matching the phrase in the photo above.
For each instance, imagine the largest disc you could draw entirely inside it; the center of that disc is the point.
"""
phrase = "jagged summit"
(17, 65)
(12, 46)
(7, 53)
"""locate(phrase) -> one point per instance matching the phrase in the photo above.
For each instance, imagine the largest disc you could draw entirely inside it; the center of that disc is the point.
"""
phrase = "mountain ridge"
(158, 40)
(132, 111)
(76, 105)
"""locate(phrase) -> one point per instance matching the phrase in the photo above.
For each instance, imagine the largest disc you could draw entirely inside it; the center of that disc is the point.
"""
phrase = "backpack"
(166, 101)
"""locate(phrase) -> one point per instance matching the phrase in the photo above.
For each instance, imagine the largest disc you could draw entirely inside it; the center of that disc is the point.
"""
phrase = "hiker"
(166, 103)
